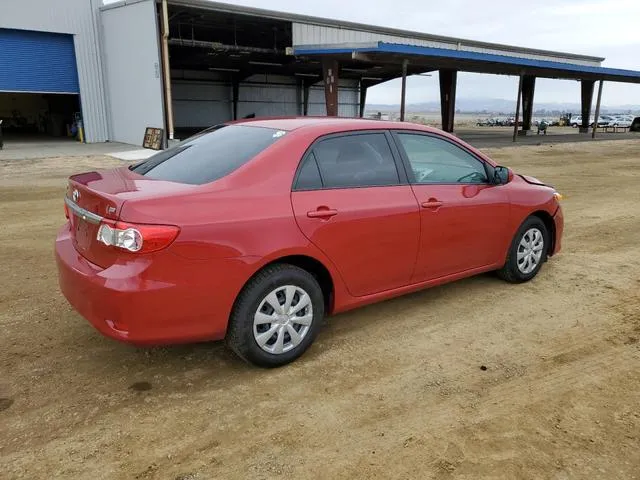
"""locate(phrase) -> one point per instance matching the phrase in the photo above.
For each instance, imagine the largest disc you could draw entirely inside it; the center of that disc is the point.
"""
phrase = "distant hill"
(496, 105)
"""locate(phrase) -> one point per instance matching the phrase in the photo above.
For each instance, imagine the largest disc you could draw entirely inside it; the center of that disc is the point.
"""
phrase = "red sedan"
(253, 231)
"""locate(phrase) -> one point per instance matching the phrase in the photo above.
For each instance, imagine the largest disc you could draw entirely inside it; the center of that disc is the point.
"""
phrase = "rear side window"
(210, 155)
(309, 175)
(362, 160)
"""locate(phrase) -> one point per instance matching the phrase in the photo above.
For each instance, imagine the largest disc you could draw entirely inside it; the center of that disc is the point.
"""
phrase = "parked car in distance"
(604, 120)
(576, 121)
(253, 231)
(485, 122)
(621, 121)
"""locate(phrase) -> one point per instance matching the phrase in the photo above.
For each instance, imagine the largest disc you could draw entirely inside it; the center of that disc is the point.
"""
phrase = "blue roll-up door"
(37, 62)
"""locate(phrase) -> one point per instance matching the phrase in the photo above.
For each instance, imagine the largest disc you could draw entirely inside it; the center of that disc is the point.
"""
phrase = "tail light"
(66, 211)
(137, 238)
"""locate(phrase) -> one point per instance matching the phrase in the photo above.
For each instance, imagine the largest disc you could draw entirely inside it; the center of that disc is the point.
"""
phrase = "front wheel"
(276, 316)
(527, 253)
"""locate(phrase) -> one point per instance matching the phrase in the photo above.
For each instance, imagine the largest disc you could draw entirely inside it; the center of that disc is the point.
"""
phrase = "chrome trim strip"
(82, 213)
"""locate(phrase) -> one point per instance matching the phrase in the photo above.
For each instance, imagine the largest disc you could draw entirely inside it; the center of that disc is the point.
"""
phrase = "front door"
(351, 202)
(464, 217)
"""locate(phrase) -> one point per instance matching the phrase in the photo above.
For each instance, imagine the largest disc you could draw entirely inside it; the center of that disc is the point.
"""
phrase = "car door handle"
(322, 213)
(431, 204)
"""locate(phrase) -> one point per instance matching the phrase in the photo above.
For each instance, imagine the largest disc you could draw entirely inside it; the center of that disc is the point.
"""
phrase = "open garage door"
(132, 69)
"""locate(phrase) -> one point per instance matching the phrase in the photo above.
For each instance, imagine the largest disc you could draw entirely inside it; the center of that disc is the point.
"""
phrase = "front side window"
(434, 160)
(357, 160)
(210, 155)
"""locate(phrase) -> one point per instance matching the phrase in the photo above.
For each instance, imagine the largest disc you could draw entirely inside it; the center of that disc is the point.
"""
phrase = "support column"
(166, 70)
(403, 93)
(363, 97)
(299, 100)
(448, 81)
(528, 88)
(595, 121)
(586, 87)
(235, 83)
(517, 119)
(306, 85)
(330, 74)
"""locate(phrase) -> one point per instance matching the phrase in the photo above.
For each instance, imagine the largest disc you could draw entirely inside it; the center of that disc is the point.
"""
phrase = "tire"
(256, 305)
(517, 270)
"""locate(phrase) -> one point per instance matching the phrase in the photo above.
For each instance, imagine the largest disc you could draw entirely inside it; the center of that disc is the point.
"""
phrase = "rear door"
(353, 202)
(464, 217)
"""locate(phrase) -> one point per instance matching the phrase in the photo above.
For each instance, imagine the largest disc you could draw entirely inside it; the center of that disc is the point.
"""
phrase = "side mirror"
(502, 175)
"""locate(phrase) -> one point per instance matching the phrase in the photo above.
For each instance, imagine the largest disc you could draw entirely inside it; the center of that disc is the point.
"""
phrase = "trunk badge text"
(75, 196)
(111, 210)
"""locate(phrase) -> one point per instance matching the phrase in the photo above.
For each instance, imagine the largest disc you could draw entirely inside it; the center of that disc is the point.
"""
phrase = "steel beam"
(517, 119)
(528, 88)
(306, 85)
(403, 93)
(448, 81)
(235, 83)
(595, 120)
(363, 96)
(586, 87)
(362, 57)
(330, 74)
(299, 94)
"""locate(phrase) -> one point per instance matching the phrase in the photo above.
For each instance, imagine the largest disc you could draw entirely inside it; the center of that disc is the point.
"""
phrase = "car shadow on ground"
(163, 367)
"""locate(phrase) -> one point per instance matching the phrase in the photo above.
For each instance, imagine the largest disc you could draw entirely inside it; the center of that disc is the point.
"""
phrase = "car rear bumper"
(152, 300)
(558, 220)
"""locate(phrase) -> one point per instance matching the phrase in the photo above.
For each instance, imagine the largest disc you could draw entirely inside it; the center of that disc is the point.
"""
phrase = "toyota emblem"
(75, 195)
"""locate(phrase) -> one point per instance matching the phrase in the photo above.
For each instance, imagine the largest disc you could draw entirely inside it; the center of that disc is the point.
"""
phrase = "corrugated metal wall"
(76, 17)
(199, 101)
(308, 34)
(132, 70)
(348, 99)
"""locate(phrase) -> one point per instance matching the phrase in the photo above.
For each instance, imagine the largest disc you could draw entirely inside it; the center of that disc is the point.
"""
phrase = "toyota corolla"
(253, 231)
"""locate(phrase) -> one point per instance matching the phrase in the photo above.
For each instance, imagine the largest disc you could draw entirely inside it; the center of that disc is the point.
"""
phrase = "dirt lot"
(395, 390)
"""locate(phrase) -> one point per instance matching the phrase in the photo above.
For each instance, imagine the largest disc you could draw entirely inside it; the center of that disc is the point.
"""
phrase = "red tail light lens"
(137, 238)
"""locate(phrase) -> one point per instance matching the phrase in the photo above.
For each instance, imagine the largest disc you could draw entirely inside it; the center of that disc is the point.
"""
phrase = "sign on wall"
(153, 138)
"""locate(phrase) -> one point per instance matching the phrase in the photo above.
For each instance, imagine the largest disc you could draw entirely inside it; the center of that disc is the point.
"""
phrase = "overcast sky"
(604, 28)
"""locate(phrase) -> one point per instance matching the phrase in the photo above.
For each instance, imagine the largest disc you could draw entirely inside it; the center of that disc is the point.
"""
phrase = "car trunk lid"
(97, 197)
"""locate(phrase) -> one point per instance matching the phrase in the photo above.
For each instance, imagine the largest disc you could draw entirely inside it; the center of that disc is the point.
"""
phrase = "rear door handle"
(322, 213)
(431, 204)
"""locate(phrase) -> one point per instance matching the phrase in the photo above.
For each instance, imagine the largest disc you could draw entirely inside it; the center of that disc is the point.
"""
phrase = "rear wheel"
(527, 253)
(276, 316)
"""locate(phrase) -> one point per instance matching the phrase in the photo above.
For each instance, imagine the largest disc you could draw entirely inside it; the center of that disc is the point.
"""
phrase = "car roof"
(327, 124)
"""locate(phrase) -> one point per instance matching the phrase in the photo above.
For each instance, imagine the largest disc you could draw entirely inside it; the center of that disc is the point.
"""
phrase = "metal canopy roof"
(374, 29)
(437, 58)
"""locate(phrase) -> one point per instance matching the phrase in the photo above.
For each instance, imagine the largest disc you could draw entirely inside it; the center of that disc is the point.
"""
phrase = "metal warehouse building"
(182, 65)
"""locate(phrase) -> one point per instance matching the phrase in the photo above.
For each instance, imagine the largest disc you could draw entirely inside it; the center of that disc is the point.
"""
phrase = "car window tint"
(208, 156)
(434, 160)
(309, 175)
(358, 160)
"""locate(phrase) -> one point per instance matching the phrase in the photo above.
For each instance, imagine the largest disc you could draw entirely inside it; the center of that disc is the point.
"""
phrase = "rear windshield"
(209, 155)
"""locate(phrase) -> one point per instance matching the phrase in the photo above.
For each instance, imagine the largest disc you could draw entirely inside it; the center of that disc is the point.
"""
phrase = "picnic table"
(614, 128)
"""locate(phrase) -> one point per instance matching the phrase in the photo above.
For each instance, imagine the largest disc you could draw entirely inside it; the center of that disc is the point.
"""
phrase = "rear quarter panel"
(247, 214)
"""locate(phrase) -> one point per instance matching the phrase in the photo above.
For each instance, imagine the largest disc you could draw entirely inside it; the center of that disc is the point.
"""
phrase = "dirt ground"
(395, 390)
